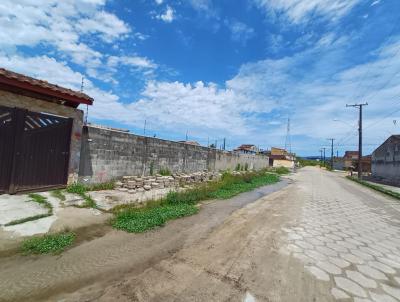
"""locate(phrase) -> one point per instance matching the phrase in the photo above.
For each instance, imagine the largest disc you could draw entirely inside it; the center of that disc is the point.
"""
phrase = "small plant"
(151, 168)
(58, 194)
(81, 190)
(246, 166)
(101, 186)
(76, 188)
(237, 167)
(55, 243)
(164, 172)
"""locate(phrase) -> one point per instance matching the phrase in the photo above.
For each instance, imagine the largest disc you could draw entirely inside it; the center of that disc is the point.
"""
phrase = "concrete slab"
(13, 207)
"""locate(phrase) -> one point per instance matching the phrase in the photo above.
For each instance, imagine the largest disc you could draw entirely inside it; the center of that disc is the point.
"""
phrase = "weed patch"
(58, 194)
(55, 243)
(141, 220)
(81, 190)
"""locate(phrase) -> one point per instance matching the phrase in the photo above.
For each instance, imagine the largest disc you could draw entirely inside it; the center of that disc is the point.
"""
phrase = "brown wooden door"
(40, 153)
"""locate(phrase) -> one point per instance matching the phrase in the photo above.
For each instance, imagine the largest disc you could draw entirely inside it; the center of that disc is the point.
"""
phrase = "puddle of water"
(249, 298)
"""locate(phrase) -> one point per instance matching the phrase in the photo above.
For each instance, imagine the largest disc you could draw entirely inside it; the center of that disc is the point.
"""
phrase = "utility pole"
(331, 139)
(186, 135)
(144, 128)
(324, 155)
(320, 150)
(224, 143)
(359, 106)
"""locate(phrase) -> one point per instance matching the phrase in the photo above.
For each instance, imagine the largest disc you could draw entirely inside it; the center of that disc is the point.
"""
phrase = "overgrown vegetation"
(151, 168)
(40, 200)
(180, 204)
(81, 190)
(164, 172)
(58, 194)
(54, 243)
(140, 220)
(375, 187)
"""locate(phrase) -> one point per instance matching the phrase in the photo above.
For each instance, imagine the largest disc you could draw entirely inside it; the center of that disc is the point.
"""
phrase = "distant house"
(350, 159)
(386, 160)
(247, 149)
(280, 158)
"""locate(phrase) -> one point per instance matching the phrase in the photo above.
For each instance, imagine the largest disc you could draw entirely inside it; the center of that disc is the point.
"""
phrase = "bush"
(48, 244)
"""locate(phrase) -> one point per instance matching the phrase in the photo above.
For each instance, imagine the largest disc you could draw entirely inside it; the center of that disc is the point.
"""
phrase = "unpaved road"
(320, 238)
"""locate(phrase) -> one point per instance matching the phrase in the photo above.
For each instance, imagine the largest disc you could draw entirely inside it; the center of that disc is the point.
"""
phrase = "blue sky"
(235, 69)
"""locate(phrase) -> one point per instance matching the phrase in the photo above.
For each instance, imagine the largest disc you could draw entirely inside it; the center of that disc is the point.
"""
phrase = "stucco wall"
(386, 161)
(9, 99)
(108, 154)
(283, 163)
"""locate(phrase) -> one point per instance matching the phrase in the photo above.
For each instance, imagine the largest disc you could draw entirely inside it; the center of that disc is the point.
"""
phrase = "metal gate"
(34, 150)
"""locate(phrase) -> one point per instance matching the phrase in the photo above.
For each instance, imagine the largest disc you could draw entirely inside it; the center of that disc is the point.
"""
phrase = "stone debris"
(135, 184)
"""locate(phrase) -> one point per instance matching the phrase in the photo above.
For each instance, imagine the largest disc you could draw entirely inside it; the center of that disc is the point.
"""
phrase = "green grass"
(164, 172)
(180, 204)
(55, 243)
(58, 194)
(26, 219)
(81, 190)
(375, 187)
(140, 220)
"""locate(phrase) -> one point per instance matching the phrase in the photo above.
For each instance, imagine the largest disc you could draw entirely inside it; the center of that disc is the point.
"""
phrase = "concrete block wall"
(108, 154)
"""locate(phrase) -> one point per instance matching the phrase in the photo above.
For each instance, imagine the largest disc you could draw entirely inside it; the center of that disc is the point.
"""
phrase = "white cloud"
(159, 2)
(298, 11)
(134, 61)
(240, 32)
(168, 16)
(376, 2)
(61, 24)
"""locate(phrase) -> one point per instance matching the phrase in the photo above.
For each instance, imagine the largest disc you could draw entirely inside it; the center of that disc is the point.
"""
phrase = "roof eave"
(46, 92)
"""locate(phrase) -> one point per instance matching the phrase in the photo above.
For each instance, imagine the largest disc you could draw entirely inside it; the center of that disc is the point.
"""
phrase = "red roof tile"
(24, 82)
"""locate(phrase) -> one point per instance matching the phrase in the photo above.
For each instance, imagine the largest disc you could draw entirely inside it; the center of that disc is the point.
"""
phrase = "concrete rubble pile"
(134, 184)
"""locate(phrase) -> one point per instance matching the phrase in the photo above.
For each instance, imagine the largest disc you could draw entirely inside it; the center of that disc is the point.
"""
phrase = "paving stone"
(393, 291)
(326, 251)
(350, 287)
(315, 255)
(304, 245)
(371, 272)
(303, 258)
(382, 267)
(397, 280)
(351, 258)
(337, 247)
(381, 297)
(329, 267)
(361, 254)
(339, 262)
(318, 273)
(361, 279)
(361, 300)
(339, 294)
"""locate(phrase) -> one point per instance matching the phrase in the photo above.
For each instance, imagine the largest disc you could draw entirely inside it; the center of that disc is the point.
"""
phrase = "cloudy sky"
(214, 69)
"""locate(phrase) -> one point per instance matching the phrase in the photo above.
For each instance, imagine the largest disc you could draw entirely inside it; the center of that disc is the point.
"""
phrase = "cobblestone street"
(349, 240)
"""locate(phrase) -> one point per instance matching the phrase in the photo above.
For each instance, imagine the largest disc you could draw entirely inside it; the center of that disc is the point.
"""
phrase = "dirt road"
(320, 238)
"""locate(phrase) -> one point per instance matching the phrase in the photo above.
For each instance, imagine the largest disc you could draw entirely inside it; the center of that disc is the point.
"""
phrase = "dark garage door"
(34, 150)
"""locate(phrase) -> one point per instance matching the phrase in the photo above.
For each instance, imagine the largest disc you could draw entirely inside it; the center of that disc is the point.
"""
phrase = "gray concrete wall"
(109, 154)
(386, 161)
(9, 99)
